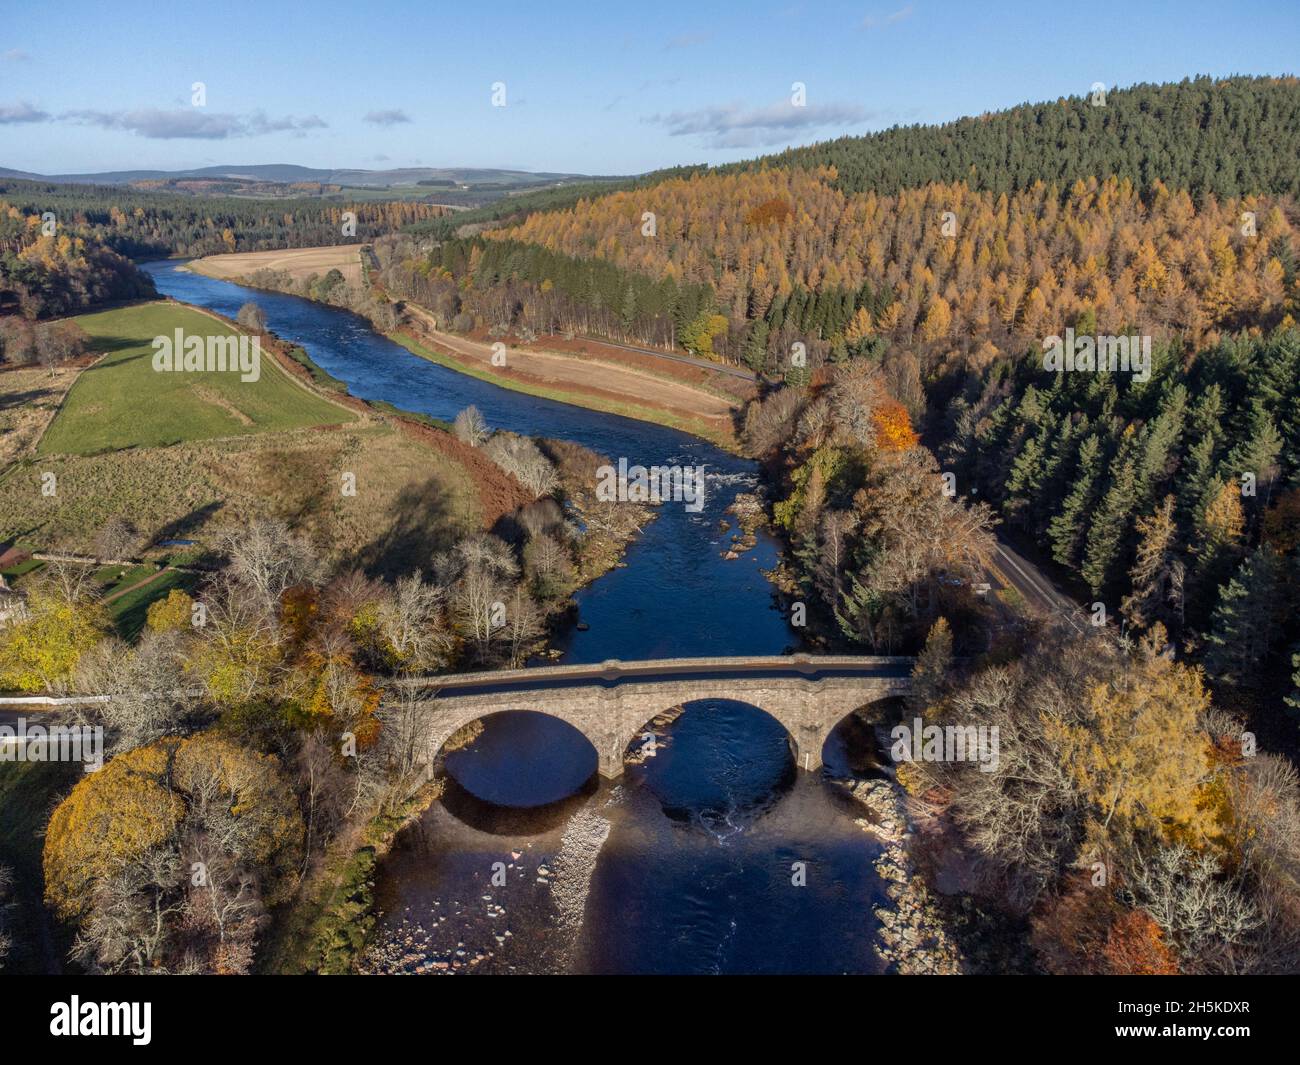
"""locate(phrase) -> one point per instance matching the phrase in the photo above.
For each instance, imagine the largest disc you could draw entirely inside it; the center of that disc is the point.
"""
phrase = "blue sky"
(608, 88)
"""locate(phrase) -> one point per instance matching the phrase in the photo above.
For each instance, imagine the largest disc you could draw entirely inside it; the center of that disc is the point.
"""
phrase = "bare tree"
(151, 694)
(524, 624)
(69, 582)
(118, 539)
(410, 622)
(267, 560)
(130, 917)
(222, 905)
(523, 459)
(323, 782)
(484, 570)
(1205, 912)
(404, 742)
(549, 566)
(252, 318)
(470, 427)
(58, 342)
(770, 421)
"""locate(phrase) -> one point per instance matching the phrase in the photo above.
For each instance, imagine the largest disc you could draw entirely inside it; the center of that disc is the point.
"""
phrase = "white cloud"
(192, 123)
(392, 117)
(12, 114)
(733, 126)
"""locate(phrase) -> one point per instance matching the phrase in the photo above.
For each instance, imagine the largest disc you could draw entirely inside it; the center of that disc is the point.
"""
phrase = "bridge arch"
(643, 736)
(522, 758)
(850, 745)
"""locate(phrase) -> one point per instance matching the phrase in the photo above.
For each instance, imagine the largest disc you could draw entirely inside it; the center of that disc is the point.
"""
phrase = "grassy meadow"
(123, 402)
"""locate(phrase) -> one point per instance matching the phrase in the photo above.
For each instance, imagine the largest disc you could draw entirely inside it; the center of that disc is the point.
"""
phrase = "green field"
(123, 402)
(130, 611)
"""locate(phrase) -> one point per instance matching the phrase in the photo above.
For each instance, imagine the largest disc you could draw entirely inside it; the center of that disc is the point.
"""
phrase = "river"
(715, 854)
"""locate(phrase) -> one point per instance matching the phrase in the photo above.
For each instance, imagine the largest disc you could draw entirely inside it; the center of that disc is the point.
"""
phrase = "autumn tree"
(167, 858)
(41, 650)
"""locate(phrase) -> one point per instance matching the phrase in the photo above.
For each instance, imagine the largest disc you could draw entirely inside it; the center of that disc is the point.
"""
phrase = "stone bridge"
(612, 702)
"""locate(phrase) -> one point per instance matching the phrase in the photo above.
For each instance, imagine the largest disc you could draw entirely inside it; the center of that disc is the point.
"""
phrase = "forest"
(894, 295)
(158, 225)
(1221, 137)
(45, 276)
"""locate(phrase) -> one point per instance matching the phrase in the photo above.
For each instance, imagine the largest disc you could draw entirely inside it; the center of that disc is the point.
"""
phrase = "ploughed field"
(298, 263)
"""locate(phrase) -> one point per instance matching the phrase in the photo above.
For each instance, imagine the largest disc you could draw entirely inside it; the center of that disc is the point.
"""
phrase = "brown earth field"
(590, 369)
(298, 263)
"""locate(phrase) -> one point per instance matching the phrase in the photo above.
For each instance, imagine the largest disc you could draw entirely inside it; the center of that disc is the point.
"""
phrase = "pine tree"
(1159, 441)
(1256, 453)
(1107, 535)
(1067, 528)
(932, 670)
(1245, 623)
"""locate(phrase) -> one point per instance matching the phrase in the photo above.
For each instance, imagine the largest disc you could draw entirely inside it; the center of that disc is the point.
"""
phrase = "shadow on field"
(186, 527)
(109, 344)
(422, 526)
(21, 399)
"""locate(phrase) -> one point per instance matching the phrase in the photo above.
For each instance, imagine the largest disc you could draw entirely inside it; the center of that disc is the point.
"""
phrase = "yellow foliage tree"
(45, 647)
(938, 320)
(1224, 517)
(235, 664)
(142, 799)
(171, 614)
(1141, 755)
(859, 326)
(111, 818)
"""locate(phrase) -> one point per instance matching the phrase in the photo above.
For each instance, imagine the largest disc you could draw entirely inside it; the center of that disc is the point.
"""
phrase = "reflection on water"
(717, 765)
(713, 855)
(522, 758)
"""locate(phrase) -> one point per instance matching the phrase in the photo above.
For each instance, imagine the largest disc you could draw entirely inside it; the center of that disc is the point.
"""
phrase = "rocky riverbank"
(913, 938)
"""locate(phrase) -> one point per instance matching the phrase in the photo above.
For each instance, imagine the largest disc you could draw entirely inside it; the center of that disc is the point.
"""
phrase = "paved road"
(1013, 570)
(801, 666)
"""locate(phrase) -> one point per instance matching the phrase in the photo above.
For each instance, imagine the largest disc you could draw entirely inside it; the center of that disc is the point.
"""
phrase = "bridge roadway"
(612, 702)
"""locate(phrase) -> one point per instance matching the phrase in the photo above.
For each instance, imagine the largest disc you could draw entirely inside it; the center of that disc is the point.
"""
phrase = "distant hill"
(289, 173)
